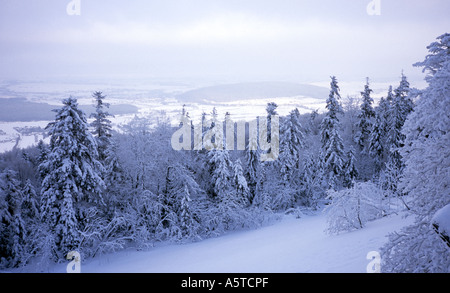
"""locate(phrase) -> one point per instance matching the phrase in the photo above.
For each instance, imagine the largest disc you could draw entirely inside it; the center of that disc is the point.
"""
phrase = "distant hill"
(19, 109)
(252, 90)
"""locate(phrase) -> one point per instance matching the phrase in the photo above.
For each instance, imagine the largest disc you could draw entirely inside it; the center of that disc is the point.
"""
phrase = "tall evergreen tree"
(101, 124)
(240, 183)
(73, 183)
(271, 110)
(433, 62)
(350, 171)
(221, 174)
(252, 162)
(189, 226)
(365, 117)
(401, 107)
(385, 110)
(376, 144)
(332, 151)
(12, 226)
(291, 142)
(311, 181)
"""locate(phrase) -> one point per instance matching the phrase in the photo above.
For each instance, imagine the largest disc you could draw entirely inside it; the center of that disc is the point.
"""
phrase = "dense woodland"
(95, 190)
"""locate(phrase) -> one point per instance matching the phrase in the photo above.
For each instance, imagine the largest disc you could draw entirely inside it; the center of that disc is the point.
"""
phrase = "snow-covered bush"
(352, 208)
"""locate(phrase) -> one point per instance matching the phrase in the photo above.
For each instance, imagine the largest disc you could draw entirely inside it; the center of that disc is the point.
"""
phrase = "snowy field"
(289, 246)
(158, 98)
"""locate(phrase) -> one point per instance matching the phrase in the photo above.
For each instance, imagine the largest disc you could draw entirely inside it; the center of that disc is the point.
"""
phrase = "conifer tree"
(240, 183)
(311, 181)
(332, 152)
(350, 171)
(291, 142)
(365, 117)
(73, 183)
(12, 226)
(252, 162)
(401, 107)
(101, 124)
(189, 225)
(377, 138)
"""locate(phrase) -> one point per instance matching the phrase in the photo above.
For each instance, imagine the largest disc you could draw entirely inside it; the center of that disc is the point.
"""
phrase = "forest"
(96, 190)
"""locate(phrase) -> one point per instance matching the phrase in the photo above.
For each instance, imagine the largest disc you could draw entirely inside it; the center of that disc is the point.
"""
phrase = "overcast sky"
(232, 39)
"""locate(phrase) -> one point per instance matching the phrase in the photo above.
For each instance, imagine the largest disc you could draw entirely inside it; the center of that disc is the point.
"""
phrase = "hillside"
(288, 246)
(252, 90)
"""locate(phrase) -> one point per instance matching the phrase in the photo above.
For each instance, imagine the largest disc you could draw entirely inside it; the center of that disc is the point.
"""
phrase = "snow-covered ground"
(288, 246)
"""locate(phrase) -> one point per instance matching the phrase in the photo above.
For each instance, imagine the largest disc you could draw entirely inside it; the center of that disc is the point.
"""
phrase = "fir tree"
(271, 110)
(332, 151)
(43, 152)
(252, 162)
(73, 182)
(378, 137)
(30, 203)
(365, 118)
(385, 111)
(262, 199)
(189, 226)
(240, 183)
(221, 176)
(350, 171)
(12, 226)
(291, 142)
(101, 125)
(401, 107)
(311, 188)
(439, 52)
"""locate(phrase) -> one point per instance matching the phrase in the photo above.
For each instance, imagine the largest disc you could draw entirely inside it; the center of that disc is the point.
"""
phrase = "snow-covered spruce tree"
(400, 109)
(30, 202)
(12, 227)
(240, 183)
(350, 171)
(311, 182)
(312, 125)
(271, 110)
(115, 177)
(332, 152)
(377, 140)
(366, 116)
(43, 152)
(101, 125)
(252, 161)
(288, 163)
(225, 196)
(73, 184)
(291, 142)
(384, 109)
(439, 52)
(180, 185)
(262, 199)
(426, 154)
(212, 139)
(189, 225)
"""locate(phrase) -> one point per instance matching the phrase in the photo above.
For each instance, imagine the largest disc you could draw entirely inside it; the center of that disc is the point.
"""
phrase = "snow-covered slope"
(291, 245)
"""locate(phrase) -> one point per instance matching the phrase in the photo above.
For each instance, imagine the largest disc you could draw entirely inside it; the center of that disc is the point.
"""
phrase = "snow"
(288, 246)
(442, 219)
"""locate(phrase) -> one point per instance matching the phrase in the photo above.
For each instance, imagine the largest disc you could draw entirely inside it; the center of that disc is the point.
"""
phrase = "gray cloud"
(291, 40)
